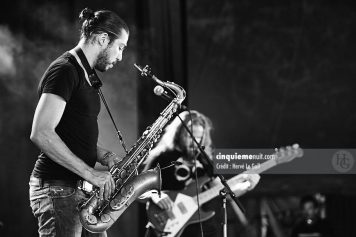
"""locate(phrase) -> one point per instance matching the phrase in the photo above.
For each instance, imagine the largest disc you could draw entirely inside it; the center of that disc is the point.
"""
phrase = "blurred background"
(267, 73)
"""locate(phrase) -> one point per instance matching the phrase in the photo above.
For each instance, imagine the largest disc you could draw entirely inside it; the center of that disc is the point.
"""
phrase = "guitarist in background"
(177, 146)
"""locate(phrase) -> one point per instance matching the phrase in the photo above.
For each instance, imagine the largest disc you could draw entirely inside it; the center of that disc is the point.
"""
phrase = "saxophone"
(98, 215)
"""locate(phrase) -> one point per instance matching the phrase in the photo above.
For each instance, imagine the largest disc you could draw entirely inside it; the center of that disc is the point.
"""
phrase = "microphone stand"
(207, 163)
(224, 224)
(209, 166)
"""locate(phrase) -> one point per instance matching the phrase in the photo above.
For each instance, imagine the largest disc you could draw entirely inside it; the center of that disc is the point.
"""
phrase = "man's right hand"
(104, 181)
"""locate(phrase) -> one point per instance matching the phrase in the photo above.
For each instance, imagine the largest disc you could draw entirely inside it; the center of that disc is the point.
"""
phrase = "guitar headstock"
(286, 154)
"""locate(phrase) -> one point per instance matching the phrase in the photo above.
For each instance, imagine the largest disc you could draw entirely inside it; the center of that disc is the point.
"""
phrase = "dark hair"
(99, 22)
(309, 198)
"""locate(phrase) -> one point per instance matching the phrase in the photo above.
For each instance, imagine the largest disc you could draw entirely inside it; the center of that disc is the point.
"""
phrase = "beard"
(102, 61)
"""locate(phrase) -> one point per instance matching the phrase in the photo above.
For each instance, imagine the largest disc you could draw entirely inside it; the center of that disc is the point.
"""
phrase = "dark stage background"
(267, 73)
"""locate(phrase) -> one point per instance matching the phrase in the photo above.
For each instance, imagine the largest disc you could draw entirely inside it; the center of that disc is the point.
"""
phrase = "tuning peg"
(282, 152)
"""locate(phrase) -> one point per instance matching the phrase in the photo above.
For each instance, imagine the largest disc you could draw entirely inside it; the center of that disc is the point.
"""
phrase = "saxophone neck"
(176, 89)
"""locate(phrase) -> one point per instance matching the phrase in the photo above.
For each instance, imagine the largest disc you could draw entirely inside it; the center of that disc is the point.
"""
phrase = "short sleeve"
(60, 80)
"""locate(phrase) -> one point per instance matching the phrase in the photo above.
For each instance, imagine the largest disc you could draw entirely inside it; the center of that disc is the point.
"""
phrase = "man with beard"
(176, 146)
(65, 126)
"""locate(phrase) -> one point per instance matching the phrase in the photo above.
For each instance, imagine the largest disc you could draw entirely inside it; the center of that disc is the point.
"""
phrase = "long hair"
(171, 137)
(102, 21)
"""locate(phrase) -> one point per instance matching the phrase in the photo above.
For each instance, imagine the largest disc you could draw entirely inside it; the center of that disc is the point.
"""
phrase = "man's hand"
(247, 183)
(164, 202)
(253, 179)
(104, 181)
(109, 159)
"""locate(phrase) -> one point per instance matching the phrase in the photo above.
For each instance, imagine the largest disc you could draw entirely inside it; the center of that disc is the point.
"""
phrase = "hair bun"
(86, 14)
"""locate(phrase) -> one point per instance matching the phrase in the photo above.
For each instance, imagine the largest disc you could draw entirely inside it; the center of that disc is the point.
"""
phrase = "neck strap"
(94, 81)
(90, 73)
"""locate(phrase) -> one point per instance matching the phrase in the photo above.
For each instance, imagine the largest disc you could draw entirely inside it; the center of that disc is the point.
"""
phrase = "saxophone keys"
(91, 219)
(145, 133)
(105, 218)
(115, 205)
(123, 191)
(123, 174)
(130, 191)
(132, 167)
(118, 182)
(118, 203)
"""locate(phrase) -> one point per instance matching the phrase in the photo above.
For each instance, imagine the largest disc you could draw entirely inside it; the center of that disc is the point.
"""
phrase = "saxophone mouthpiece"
(138, 67)
(146, 71)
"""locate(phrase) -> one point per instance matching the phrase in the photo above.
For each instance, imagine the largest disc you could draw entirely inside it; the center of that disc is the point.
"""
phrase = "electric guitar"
(172, 222)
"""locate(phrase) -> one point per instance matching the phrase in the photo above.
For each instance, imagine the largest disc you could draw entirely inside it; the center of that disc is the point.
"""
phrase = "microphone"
(159, 91)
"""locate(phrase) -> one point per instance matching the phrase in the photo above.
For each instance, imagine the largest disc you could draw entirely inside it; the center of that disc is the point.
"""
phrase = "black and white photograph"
(177, 118)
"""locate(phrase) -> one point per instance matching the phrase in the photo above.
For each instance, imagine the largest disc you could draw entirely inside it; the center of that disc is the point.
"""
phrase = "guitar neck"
(233, 182)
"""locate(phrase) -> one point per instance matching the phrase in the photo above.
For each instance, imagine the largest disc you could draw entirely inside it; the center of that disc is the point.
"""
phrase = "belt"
(53, 182)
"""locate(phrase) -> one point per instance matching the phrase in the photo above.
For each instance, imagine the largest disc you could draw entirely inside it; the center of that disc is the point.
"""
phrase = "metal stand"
(224, 223)
(148, 230)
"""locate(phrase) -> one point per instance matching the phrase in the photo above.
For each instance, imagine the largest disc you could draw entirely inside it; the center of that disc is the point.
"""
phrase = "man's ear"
(103, 39)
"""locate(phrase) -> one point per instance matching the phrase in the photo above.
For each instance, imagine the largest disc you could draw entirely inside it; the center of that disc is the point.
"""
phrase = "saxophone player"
(65, 126)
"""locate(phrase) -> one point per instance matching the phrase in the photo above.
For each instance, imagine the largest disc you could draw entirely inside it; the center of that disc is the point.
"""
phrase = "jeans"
(55, 207)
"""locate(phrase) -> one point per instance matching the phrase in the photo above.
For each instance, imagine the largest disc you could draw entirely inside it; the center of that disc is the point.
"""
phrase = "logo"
(343, 161)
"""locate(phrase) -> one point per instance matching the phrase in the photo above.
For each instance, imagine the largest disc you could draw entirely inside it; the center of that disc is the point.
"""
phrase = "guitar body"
(171, 223)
